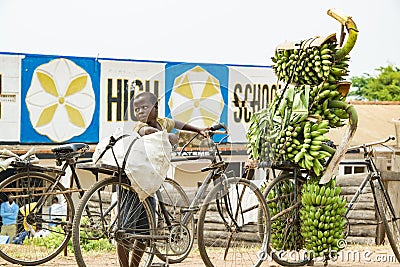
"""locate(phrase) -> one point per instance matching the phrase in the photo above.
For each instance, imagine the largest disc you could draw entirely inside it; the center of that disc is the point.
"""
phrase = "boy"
(146, 110)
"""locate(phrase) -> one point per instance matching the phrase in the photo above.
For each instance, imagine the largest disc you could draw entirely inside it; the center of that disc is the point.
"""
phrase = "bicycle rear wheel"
(283, 195)
(227, 225)
(96, 229)
(388, 216)
(40, 238)
(171, 201)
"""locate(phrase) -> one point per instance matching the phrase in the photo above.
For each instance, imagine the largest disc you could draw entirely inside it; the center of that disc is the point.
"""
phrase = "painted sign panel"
(59, 99)
(10, 109)
(54, 99)
(196, 93)
(250, 89)
(120, 81)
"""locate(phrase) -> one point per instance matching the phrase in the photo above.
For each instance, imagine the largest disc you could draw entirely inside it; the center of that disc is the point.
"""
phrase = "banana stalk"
(341, 150)
(351, 29)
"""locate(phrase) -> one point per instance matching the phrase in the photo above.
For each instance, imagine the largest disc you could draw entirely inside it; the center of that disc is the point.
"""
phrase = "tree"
(384, 87)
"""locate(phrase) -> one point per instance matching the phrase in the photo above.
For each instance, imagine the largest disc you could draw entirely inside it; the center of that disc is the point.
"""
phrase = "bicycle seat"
(68, 148)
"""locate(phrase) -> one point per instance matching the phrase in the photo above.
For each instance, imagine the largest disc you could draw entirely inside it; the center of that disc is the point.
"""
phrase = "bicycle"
(33, 187)
(168, 232)
(383, 203)
(284, 194)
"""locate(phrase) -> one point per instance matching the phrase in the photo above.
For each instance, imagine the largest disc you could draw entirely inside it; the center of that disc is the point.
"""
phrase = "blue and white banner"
(196, 93)
(59, 99)
(54, 99)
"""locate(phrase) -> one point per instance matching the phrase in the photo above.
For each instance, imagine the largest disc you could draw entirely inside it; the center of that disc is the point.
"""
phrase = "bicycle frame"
(373, 174)
(65, 162)
(216, 170)
(216, 174)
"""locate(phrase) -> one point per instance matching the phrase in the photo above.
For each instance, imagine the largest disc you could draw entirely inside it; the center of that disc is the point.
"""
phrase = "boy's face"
(145, 111)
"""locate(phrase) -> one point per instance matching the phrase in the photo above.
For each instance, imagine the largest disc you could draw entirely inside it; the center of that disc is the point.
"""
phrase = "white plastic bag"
(147, 162)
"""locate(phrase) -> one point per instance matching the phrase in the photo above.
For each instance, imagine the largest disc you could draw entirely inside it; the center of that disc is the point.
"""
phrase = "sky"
(206, 31)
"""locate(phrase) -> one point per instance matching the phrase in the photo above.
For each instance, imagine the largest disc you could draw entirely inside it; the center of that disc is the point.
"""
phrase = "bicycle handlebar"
(212, 130)
(391, 137)
(217, 127)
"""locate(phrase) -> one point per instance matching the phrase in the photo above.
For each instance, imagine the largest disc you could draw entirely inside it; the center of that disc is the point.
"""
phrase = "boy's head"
(146, 107)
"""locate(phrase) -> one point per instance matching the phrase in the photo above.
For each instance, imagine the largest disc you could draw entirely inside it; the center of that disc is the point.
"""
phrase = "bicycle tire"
(288, 224)
(178, 247)
(232, 207)
(390, 222)
(28, 189)
(96, 223)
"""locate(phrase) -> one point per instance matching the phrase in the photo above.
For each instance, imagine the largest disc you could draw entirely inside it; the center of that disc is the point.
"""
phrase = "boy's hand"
(204, 132)
(147, 130)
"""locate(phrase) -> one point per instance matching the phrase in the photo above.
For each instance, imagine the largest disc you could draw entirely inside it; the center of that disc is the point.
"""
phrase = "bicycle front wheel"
(388, 217)
(283, 195)
(41, 237)
(99, 226)
(171, 203)
(227, 225)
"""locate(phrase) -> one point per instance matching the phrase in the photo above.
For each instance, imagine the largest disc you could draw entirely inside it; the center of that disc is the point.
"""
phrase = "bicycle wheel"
(96, 227)
(283, 197)
(40, 238)
(171, 201)
(390, 221)
(227, 227)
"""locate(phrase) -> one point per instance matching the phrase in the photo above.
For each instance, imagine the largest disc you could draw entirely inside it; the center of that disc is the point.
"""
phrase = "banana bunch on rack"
(321, 97)
(284, 133)
(312, 151)
(310, 64)
(294, 126)
(323, 223)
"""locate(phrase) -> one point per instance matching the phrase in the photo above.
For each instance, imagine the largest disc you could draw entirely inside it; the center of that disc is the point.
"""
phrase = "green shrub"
(54, 239)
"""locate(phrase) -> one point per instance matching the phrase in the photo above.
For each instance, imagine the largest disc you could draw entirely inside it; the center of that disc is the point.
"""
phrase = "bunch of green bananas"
(311, 152)
(268, 132)
(286, 136)
(322, 217)
(321, 96)
(310, 65)
(283, 235)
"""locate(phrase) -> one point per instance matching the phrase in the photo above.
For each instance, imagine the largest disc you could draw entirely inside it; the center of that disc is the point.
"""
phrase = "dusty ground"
(355, 256)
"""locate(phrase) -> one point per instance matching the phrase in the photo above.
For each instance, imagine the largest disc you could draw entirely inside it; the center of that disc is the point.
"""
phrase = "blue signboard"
(60, 99)
(197, 93)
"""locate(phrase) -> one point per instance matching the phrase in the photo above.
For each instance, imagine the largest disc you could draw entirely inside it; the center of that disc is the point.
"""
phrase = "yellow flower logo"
(61, 100)
(196, 98)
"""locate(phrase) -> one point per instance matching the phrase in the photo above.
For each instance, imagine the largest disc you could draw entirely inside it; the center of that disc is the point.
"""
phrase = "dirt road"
(354, 256)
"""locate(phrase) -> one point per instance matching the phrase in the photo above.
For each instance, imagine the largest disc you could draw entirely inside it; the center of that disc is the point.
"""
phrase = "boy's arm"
(147, 130)
(173, 138)
(185, 126)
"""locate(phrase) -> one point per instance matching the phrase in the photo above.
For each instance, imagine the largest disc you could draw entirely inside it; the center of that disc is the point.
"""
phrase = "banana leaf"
(300, 103)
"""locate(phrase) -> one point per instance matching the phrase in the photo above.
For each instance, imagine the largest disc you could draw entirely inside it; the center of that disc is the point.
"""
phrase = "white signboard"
(10, 88)
(119, 79)
(250, 90)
